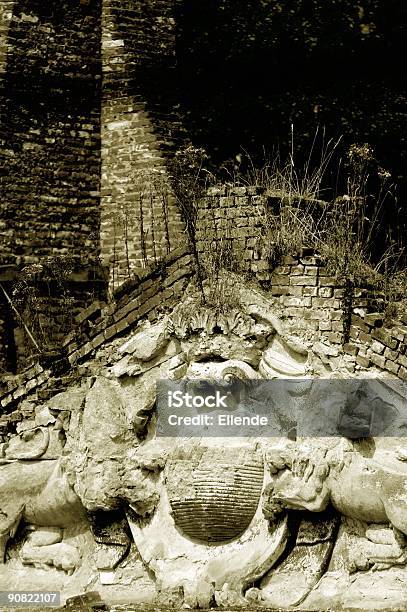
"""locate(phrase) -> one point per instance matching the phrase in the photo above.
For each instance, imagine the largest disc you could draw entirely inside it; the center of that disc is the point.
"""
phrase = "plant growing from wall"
(36, 286)
(292, 210)
(190, 178)
(285, 177)
(351, 229)
(219, 257)
(162, 191)
(295, 213)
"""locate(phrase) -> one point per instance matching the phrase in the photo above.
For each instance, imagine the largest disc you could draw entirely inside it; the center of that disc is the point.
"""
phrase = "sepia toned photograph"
(203, 305)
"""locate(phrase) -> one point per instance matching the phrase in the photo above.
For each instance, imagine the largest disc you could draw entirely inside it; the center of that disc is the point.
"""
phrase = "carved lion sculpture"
(370, 489)
(39, 493)
(47, 496)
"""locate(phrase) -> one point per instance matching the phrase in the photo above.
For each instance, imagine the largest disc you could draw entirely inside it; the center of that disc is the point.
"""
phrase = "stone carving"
(214, 494)
(31, 443)
(279, 360)
(205, 521)
(110, 531)
(304, 564)
(211, 552)
(44, 547)
(371, 489)
(39, 493)
(148, 342)
(91, 474)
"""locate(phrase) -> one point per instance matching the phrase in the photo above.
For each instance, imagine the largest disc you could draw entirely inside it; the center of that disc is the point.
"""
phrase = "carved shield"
(214, 493)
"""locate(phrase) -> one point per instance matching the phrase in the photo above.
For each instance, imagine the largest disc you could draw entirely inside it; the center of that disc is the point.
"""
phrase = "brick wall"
(315, 304)
(54, 318)
(155, 291)
(371, 343)
(230, 220)
(158, 290)
(49, 130)
(50, 142)
(66, 140)
(7, 355)
(6, 13)
(48, 308)
(318, 301)
(140, 222)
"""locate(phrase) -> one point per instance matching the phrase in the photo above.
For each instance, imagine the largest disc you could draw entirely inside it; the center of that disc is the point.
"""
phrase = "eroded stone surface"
(87, 489)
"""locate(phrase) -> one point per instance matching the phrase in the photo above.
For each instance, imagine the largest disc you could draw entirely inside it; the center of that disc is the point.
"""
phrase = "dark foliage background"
(247, 69)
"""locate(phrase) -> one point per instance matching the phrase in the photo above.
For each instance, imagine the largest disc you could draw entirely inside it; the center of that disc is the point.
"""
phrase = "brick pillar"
(6, 14)
(140, 222)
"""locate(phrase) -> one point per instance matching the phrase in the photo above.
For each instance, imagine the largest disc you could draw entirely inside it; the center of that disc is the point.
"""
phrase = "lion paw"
(60, 555)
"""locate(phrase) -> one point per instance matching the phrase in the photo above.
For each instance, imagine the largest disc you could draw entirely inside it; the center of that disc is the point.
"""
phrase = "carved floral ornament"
(94, 493)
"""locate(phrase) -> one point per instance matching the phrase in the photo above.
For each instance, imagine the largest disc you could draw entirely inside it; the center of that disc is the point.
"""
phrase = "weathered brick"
(350, 348)
(311, 271)
(31, 384)
(384, 336)
(337, 326)
(311, 291)
(303, 280)
(91, 312)
(365, 338)
(325, 325)
(392, 355)
(297, 270)
(282, 270)
(133, 317)
(377, 347)
(123, 312)
(296, 291)
(280, 290)
(325, 292)
(180, 273)
(297, 301)
(279, 279)
(364, 362)
(375, 319)
(392, 366)
(335, 337)
(121, 325)
(73, 358)
(110, 332)
(320, 314)
(263, 266)
(320, 302)
(328, 281)
(98, 340)
(19, 392)
(378, 360)
(6, 400)
(85, 350)
(397, 334)
(359, 322)
(402, 359)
